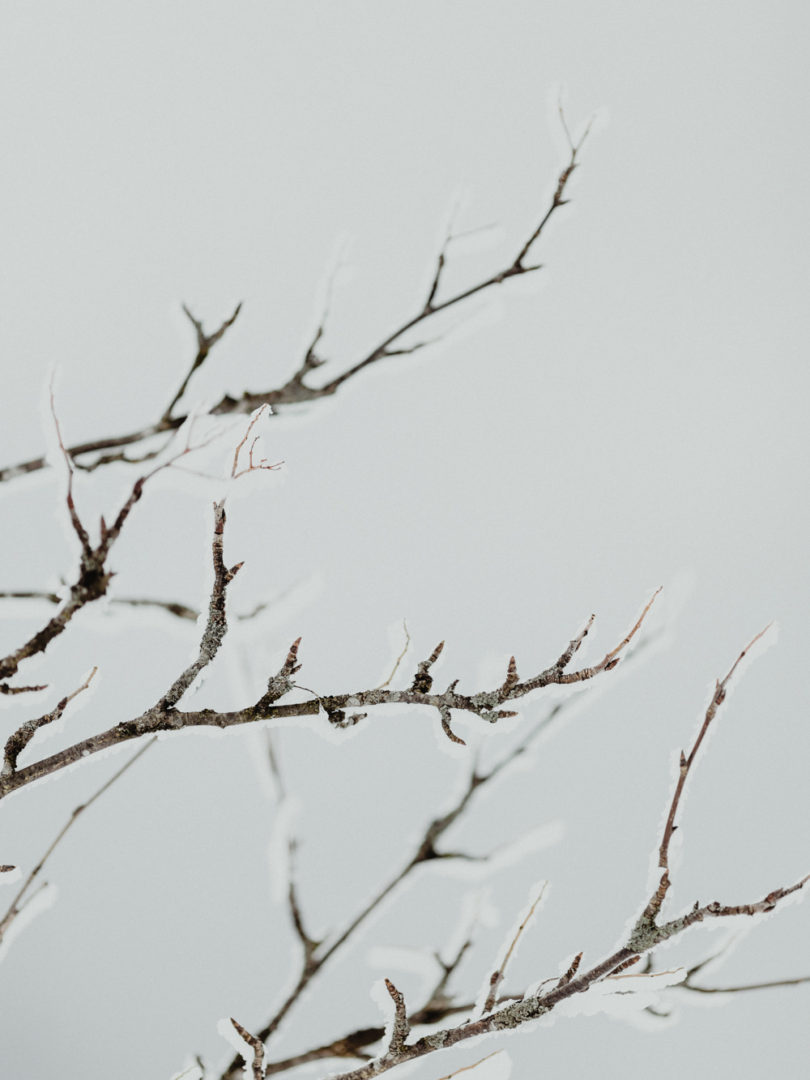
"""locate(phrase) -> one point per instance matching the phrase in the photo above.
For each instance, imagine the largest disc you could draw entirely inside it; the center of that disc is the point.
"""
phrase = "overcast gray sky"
(635, 416)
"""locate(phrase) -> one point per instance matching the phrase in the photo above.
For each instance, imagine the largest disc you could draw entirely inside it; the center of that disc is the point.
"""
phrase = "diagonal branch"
(255, 1044)
(296, 389)
(19, 902)
(18, 740)
(487, 704)
(205, 342)
(400, 1027)
(498, 975)
(656, 901)
(94, 577)
(439, 1005)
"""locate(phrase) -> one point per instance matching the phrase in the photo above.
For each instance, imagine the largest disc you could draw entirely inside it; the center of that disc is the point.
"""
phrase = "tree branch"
(646, 935)
(296, 390)
(165, 716)
(18, 903)
(94, 577)
(439, 1005)
(205, 342)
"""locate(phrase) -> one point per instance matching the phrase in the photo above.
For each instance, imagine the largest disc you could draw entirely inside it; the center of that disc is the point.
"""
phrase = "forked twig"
(497, 976)
(297, 389)
(205, 342)
(19, 903)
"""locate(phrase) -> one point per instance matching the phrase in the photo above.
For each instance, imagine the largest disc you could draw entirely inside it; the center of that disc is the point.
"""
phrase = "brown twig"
(172, 607)
(205, 342)
(165, 716)
(438, 1006)
(685, 765)
(571, 970)
(400, 1026)
(217, 624)
(18, 903)
(497, 976)
(236, 472)
(399, 658)
(19, 739)
(94, 577)
(646, 935)
(256, 1045)
(472, 1065)
(296, 389)
(486, 704)
(773, 984)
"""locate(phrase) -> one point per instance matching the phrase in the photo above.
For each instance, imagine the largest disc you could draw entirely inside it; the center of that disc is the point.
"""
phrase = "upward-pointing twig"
(205, 342)
(297, 389)
(17, 905)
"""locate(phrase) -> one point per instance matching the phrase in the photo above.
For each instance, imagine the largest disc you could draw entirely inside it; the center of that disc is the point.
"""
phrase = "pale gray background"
(640, 420)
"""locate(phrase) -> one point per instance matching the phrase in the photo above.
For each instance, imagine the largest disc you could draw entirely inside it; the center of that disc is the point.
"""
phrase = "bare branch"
(773, 984)
(473, 1065)
(646, 935)
(558, 199)
(256, 1045)
(296, 390)
(217, 625)
(689, 983)
(205, 342)
(423, 680)
(486, 704)
(94, 577)
(172, 607)
(399, 659)
(571, 970)
(438, 1006)
(718, 697)
(9, 690)
(164, 716)
(236, 472)
(310, 944)
(497, 976)
(17, 904)
(17, 742)
(400, 1028)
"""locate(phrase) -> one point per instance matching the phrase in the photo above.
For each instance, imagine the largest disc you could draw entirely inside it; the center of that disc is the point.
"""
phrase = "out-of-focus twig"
(19, 902)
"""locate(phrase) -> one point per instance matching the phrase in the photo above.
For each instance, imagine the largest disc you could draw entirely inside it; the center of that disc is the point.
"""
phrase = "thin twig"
(94, 577)
(473, 1065)
(486, 704)
(15, 906)
(236, 472)
(438, 1006)
(205, 342)
(165, 716)
(19, 739)
(718, 697)
(497, 976)
(217, 624)
(296, 389)
(255, 1044)
(399, 659)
